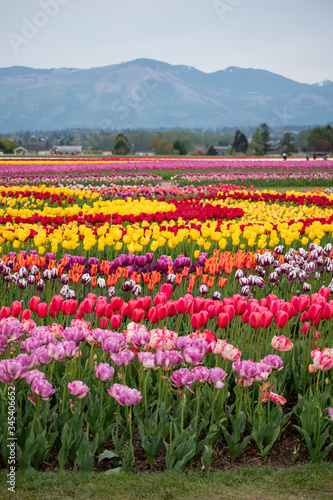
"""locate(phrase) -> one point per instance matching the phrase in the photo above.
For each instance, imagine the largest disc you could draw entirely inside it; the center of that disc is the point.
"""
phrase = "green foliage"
(164, 147)
(211, 151)
(266, 137)
(7, 146)
(256, 145)
(180, 146)
(287, 145)
(240, 143)
(121, 146)
(324, 133)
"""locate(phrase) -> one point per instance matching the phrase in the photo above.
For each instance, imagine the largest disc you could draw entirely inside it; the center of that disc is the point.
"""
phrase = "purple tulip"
(182, 377)
(11, 368)
(192, 355)
(123, 358)
(274, 361)
(33, 374)
(78, 389)
(41, 387)
(104, 372)
(147, 359)
(140, 339)
(124, 395)
(76, 335)
(113, 343)
(246, 368)
(216, 377)
(183, 342)
(201, 373)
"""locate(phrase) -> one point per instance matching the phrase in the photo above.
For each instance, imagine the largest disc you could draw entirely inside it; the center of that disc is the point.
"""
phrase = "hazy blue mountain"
(150, 94)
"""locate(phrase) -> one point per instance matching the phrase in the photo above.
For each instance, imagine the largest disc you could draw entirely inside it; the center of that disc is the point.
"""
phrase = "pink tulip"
(216, 377)
(78, 389)
(41, 387)
(282, 343)
(246, 368)
(147, 359)
(104, 372)
(124, 395)
(274, 361)
(123, 358)
(201, 373)
(182, 377)
(192, 356)
(322, 360)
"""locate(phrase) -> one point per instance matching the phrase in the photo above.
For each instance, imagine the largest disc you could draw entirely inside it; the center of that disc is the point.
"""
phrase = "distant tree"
(266, 137)
(199, 150)
(287, 145)
(164, 147)
(323, 133)
(121, 146)
(7, 146)
(240, 143)
(323, 146)
(48, 144)
(180, 146)
(256, 145)
(211, 151)
(154, 142)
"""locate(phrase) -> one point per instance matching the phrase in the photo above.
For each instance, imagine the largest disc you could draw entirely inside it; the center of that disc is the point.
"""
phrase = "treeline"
(250, 141)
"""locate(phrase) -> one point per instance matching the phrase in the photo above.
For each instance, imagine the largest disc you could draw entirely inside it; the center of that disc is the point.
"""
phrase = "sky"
(290, 37)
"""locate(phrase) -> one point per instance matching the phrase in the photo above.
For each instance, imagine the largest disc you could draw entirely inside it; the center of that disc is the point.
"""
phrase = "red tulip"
(108, 311)
(167, 288)
(303, 302)
(181, 306)
(16, 308)
(42, 310)
(100, 309)
(303, 316)
(325, 292)
(230, 311)
(124, 310)
(34, 301)
(52, 311)
(103, 323)
(266, 318)
(198, 304)
(147, 301)
(56, 302)
(245, 317)
(313, 312)
(222, 320)
(281, 318)
(328, 311)
(254, 319)
(211, 312)
(116, 303)
(152, 315)
(25, 314)
(162, 312)
(196, 321)
(204, 317)
(171, 308)
(138, 315)
(240, 307)
(4, 312)
(160, 298)
(116, 321)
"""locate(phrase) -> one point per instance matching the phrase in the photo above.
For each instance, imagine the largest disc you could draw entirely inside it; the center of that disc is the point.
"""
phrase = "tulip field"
(165, 325)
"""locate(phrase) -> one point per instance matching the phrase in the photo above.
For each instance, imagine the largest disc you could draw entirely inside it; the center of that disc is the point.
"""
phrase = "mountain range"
(150, 94)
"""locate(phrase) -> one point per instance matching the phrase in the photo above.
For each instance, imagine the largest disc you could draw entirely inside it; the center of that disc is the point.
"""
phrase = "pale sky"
(291, 37)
